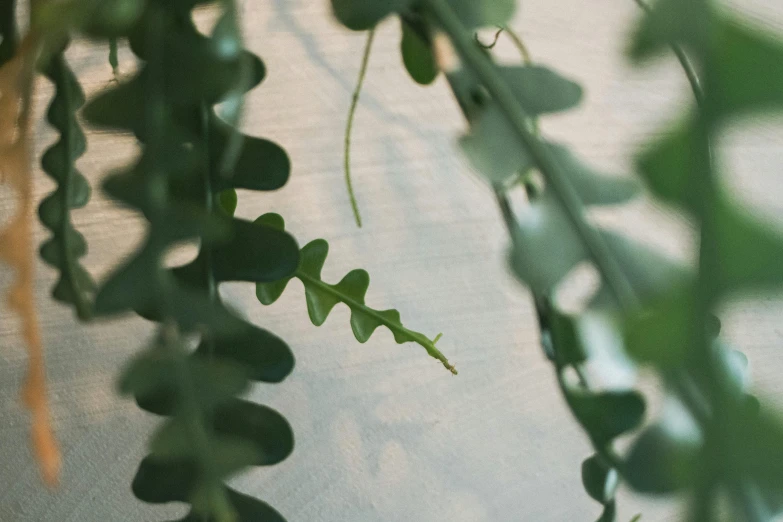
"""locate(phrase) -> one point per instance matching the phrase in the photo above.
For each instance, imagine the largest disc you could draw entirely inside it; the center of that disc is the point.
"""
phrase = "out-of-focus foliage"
(182, 105)
(662, 311)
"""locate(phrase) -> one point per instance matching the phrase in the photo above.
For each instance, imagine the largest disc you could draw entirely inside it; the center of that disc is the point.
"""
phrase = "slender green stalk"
(610, 458)
(567, 195)
(519, 44)
(349, 125)
(495, 39)
(114, 59)
(218, 502)
(209, 198)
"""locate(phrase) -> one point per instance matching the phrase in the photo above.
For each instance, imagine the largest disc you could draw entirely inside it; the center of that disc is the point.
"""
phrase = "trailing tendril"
(349, 126)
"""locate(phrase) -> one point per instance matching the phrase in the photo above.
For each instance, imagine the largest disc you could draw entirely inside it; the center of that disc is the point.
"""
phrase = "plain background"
(383, 432)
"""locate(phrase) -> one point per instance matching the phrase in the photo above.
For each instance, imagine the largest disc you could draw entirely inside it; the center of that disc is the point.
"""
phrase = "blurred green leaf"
(660, 463)
(569, 349)
(606, 415)
(365, 14)
(254, 254)
(248, 509)
(750, 251)
(153, 372)
(264, 356)
(748, 73)
(227, 201)
(660, 334)
(160, 482)
(610, 513)
(492, 145)
(417, 53)
(172, 441)
(669, 165)
(599, 481)
(268, 431)
(671, 21)
(483, 13)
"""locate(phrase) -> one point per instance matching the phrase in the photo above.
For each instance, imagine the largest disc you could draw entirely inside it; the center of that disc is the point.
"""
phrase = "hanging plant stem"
(349, 125)
(567, 195)
(682, 57)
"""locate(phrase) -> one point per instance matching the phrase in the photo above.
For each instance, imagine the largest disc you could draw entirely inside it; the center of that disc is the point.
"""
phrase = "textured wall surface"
(383, 432)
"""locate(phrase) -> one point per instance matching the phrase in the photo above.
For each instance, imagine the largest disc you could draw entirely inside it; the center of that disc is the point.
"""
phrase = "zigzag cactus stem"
(63, 250)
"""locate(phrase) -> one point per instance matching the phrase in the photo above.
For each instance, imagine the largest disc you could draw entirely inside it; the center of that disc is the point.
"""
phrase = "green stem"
(519, 44)
(349, 125)
(682, 57)
(209, 203)
(495, 39)
(197, 429)
(416, 337)
(557, 179)
(114, 59)
(605, 453)
(158, 195)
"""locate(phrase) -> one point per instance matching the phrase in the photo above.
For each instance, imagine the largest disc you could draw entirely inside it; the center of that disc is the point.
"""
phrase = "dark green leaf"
(660, 334)
(546, 246)
(248, 509)
(365, 14)
(747, 69)
(538, 89)
(567, 342)
(672, 21)
(670, 164)
(174, 441)
(659, 463)
(607, 415)
(599, 481)
(610, 513)
(218, 381)
(750, 251)
(154, 373)
(261, 165)
(8, 32)
(255, 253)
(492, 145)
(483, 13)
(417, 54)
(227, 201)
(651, 275)
(268, 431)
(265, 356)
(119, 107)
(111, 18)
(159, 482)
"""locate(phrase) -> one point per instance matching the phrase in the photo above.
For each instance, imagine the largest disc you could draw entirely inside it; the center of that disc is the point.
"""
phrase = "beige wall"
(383, 432)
